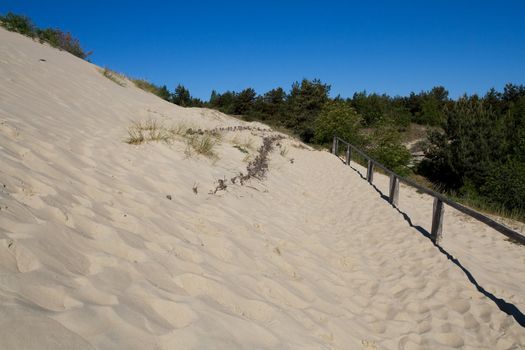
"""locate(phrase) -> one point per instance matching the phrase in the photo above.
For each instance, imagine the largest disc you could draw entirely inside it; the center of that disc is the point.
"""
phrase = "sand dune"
(93, 255)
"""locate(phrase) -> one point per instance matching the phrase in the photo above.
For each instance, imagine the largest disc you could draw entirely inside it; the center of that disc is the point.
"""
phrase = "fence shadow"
(508, 308)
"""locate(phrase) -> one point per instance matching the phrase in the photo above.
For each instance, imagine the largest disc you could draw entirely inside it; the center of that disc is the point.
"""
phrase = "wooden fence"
(439, 199)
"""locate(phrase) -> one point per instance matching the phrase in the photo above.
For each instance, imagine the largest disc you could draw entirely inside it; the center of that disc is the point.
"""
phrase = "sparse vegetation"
(160, 91)
(203, 144)
(246, 143)
(299, 146)
(152, 130)
(115, 77)
(221, 186)
(256, 168)
(54, 37)
(135, 136)
(179, 129)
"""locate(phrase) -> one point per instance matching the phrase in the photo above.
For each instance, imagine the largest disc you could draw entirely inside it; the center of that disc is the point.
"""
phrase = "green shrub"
(19, 24)
(505, 185)
(338, 118)
(61, 40)
(385, 146)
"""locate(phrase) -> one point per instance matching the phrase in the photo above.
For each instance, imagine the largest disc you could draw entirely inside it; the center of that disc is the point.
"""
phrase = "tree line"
(475, 148)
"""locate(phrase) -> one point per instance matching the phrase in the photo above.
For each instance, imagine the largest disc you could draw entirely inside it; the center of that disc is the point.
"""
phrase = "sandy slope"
(93, 254)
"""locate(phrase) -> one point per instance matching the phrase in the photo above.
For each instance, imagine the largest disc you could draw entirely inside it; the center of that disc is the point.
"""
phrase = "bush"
(505, 185)
(386, 147)
(61, 40)
(338, 118)
(473, 137)
(19, 24)
(480, 153)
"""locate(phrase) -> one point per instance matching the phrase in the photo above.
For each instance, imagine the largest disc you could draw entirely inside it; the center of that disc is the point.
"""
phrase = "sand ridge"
(93, 255)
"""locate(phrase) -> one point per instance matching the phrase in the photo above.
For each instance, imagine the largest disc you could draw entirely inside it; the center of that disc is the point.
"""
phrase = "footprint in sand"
(24, 259)
(9, 130)
(369, 344)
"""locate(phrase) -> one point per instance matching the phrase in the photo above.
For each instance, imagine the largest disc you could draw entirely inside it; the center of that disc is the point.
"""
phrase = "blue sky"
(392, 47)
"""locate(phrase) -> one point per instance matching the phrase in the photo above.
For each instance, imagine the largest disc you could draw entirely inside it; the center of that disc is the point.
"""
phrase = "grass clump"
(115, 77)
(180, 129)
(203, 144)
(150, 130)
(153, 131)
(243, 145)
(160, 91)
(135, 136)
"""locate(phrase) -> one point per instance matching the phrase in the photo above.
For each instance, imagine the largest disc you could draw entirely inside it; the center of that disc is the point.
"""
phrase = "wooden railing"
(439, 199)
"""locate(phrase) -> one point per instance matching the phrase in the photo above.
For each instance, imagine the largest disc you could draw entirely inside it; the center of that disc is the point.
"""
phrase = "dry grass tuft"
(150, 130)
(180, 129)
(203, 144)
(153, 130)
(245, 143)
(300, 146)
(115, 77)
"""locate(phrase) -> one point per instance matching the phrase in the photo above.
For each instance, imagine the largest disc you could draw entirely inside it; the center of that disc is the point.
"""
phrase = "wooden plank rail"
(439, 199)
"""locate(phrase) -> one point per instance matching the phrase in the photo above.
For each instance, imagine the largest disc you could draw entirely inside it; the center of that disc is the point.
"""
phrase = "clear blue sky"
(389, 47)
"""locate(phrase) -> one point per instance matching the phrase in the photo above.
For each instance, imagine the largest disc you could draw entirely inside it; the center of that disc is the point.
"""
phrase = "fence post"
(370, 171)
(393, 197)
(334, 146)
(437, 220)
(348, 154)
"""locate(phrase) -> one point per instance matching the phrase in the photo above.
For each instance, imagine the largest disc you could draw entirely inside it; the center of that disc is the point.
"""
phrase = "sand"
(93, 255)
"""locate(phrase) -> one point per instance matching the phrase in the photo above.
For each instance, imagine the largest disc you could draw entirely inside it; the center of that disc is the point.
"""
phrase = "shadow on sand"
(506, 307)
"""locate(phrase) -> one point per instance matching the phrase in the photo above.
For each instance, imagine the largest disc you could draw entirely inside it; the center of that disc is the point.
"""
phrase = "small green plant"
(114, 77)
(240, 148)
